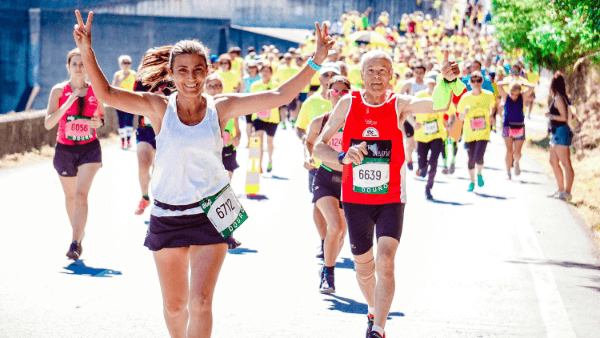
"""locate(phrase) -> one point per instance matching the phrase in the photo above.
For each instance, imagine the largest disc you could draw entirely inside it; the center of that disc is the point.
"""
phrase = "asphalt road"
(505, 261)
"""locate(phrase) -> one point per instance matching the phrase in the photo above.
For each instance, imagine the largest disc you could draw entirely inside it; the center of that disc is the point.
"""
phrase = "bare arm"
(322, 150)
(561, 105)
(54, 112)
(408, 105)
(501, 91)
(405, 90)
(236, 105)
(238, 133)
(139, 103)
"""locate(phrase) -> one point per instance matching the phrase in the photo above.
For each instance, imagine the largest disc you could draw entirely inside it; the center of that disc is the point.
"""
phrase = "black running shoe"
(375, 334)
(428, 194)
(409, 165)
(75, 251)
(327, 284)
(370, 319)
(321, 254)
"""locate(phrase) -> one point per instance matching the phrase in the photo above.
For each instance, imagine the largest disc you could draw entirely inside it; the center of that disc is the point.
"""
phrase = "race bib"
(478, 123)
(430, 127)
(78, 128)
(226, 138)
(224, 211)
(336, 142)
(265, 114)
(516, 132)
(372, 176)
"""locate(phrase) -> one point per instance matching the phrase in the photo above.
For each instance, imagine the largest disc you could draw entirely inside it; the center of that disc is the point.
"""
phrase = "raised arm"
(139, 103)
(322, 150)
(237, 105)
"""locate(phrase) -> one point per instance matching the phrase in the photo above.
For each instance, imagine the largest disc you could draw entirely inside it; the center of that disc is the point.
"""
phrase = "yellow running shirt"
(314, 106)
(285, 73)
(129, 81)
(231, 80)
(432, 124)
(267, 116)
(476, 126)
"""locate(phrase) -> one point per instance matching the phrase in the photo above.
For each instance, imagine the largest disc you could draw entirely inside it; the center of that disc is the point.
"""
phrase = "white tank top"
(415, 87)
(188, 166)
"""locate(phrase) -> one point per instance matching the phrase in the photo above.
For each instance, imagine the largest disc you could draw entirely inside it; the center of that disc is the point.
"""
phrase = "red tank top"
(377, 180)
(73, 127)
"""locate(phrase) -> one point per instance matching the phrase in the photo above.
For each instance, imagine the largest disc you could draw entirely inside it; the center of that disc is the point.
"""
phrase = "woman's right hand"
(83, 33)
(73, 97)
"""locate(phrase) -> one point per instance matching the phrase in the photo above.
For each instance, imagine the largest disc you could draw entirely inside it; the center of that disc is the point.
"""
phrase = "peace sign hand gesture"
(324, 43)
(83, 33)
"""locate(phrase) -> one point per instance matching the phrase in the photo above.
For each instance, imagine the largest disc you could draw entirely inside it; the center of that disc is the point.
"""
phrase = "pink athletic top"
(74, 127)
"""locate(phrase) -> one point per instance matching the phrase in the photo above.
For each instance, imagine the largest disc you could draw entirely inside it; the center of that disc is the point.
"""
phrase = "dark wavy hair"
(558, 85)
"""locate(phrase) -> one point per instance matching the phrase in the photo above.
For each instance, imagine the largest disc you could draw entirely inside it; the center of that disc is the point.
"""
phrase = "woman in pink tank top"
(74, 108)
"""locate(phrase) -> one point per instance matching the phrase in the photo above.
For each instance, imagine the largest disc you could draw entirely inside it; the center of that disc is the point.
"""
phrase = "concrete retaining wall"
(22, 132)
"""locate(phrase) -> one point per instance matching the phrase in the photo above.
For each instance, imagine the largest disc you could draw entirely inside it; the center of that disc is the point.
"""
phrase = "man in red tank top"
(373, 189)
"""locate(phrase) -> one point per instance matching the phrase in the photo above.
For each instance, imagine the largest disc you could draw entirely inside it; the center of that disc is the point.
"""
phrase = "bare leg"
(564, 156)
(172, 265)
(508, 141)
(69, 185)
(365, 266)
(386, 284)
(336, 227)
(145, 155)
(472, 175)
(206, 262)
(517, 147)
(84, 183)
(479, 169)
(320, 222)
(558, 173)
(270, 148)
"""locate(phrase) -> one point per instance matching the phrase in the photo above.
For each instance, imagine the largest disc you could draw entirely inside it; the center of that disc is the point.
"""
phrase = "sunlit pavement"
(505, 261)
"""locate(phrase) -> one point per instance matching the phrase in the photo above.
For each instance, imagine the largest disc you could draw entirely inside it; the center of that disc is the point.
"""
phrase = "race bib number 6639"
(224, 211)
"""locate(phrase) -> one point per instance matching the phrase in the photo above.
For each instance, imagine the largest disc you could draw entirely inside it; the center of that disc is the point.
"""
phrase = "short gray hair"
(374, 54)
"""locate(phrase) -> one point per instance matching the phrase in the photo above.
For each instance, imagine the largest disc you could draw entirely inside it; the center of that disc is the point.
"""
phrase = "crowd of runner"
(349, 92)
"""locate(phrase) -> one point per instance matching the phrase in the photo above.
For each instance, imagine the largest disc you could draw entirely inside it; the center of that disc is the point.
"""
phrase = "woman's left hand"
(96, 121)
(324, 43)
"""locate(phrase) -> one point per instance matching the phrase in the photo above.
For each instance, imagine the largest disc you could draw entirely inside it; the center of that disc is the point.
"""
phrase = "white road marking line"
(552, 307)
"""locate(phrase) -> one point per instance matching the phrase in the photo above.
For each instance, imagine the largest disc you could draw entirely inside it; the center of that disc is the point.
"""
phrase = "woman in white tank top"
(188, 168)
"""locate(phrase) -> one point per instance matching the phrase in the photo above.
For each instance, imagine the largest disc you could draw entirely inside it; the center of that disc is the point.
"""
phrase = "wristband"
(341, 157)
(313, 65)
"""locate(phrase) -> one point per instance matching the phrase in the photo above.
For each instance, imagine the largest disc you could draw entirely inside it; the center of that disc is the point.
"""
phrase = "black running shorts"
(361, 218)
(327, 183)
(68, 158)
(408, 129)
(229, 158)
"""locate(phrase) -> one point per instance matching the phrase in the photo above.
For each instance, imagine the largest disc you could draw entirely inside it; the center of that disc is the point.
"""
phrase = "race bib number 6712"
(224, 211)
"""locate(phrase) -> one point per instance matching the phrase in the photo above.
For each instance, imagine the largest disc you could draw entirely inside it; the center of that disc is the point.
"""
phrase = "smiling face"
(339, 88)
(377, 74)
(75, 67)
(189, 74)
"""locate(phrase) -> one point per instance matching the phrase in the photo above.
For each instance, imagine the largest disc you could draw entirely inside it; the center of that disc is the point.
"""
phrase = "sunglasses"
(335, 92)
(476, 80)
(126, 62)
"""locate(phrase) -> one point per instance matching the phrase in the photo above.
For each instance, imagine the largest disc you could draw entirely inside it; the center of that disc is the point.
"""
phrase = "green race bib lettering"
(224, 211)
(372, 176)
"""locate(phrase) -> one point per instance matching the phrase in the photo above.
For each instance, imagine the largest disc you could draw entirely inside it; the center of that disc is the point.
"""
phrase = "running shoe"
(122, 144)
(428, 194)
(452, 168)
(75, 251)
(142, 206)
(321, 254)
(370, 320)
(565, 196)
(421, 173)
(293, 124)
(327, 284)
(375, 334)
(232, 243)
(517, 169)
(471, 187)
(555, 194)
(269, 168)
(283, 126)
(509, 175)
(445, 170)
(409, 165)
(480, 181)
(128, 144)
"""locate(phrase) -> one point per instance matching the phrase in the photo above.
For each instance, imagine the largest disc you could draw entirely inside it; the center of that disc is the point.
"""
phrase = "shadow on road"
(241, 251)
(346, 263)
(490, 168)
(494, 197)
(525, 182)
(79, 268)
(275, 177)
(348, 305)
(417, 178)
(448, 203)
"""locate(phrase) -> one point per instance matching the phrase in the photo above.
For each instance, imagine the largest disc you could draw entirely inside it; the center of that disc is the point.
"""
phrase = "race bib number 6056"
(224, 211)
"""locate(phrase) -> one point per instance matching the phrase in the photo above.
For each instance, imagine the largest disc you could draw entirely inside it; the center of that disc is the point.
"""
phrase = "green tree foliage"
(551, 33)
